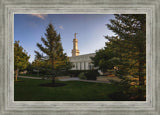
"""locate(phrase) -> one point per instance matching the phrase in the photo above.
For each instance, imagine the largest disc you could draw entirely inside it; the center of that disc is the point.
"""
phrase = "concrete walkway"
(69, 79)
(95, 81)
(78, 79)
(30, 77)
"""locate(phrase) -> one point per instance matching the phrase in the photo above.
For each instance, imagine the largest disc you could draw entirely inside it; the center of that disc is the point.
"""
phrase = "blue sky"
(91, 29)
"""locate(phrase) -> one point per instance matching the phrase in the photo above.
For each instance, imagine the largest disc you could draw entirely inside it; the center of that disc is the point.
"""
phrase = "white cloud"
(61, 27)
(41, 16)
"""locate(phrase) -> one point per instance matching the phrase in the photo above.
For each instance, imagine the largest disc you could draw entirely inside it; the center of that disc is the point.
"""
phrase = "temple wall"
(82, 62)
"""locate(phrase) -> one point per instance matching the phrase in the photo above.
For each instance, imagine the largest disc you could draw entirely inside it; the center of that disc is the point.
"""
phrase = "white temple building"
(80, 62)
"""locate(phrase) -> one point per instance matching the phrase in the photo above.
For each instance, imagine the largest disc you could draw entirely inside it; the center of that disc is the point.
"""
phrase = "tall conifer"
(131, 31)
(52, 50)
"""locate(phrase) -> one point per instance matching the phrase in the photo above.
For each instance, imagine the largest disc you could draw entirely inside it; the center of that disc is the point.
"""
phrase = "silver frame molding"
(10, 7)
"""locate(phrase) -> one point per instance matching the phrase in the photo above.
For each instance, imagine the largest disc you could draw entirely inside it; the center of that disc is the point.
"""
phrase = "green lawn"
(29, 90)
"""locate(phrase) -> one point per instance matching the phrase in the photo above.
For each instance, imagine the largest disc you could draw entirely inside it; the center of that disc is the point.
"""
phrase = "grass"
(29, 90)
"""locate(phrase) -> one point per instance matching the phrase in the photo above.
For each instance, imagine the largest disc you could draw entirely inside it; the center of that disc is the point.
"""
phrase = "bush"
(82, 75)
(75, 73)
(91, 75)
(62, 73)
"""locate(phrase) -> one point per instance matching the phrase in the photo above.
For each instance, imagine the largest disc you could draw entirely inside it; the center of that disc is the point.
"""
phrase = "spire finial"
(75, 35)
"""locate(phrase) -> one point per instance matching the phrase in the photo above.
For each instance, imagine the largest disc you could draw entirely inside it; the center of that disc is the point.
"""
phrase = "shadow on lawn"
(120, 96)
(52, 85)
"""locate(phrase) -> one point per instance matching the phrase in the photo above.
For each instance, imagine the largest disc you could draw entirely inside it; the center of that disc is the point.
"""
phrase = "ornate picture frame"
(10, 7)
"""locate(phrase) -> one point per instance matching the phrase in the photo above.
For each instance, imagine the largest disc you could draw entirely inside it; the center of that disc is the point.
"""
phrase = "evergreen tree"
(21, 59)
(54, 57)
(126, 50)
(131, 32)
(105, 59)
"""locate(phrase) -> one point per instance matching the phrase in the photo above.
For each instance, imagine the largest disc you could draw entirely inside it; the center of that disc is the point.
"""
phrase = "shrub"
(75, 73)
(91, 75)
(82, 75)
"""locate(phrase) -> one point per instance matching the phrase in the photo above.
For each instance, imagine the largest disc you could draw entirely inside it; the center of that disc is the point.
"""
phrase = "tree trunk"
(141, 83)
(141, 67)
(141, 76)
(17, 70)
(53, 80)
(53, 73)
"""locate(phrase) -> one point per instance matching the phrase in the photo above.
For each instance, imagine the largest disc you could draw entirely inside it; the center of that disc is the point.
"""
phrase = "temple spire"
(75, 51)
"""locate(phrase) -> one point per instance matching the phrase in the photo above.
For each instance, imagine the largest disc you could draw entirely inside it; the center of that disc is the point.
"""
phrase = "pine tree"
(131, 31)
(53, 51)
(105, 59)
(21, 59)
